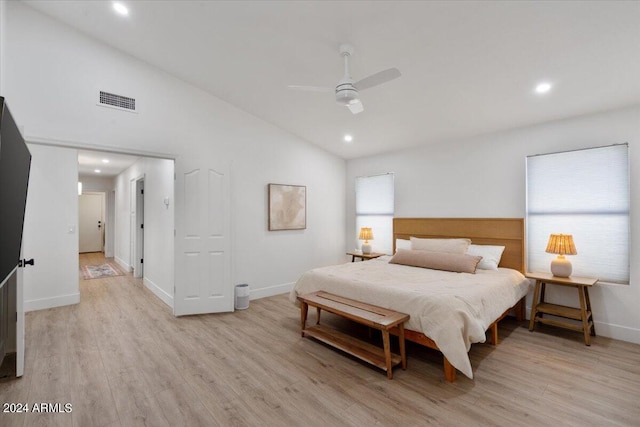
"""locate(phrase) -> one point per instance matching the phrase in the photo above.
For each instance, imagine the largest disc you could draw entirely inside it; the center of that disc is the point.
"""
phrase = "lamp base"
(366, 248)
(561, 267)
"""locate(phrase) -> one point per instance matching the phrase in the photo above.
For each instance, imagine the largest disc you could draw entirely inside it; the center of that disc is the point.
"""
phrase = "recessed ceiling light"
(97, 170)
(120, 9)
(105, 160)
(348, 138)
(543, 87)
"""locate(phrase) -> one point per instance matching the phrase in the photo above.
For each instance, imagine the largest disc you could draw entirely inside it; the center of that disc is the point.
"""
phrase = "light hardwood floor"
(122, 359)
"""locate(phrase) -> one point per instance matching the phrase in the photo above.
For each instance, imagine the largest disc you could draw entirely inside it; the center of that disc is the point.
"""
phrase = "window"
(374, 208)
(584, 193)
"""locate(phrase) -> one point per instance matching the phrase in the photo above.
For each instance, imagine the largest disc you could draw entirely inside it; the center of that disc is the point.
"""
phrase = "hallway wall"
(158, 223)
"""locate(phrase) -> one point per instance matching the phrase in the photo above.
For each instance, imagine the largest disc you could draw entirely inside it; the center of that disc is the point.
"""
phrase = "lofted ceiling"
(468, 67)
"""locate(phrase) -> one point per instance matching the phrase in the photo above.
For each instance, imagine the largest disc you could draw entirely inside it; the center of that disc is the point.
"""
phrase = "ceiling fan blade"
(311, 88)
(356, 107)
(378, 78)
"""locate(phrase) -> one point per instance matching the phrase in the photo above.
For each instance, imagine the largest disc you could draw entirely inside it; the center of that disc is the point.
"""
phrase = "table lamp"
(366, 234)
(561, 244)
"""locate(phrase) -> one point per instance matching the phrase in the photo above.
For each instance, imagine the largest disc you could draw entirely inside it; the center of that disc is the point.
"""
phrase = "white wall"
(485, 177)
(158, 223)
(100, 184)
(53, 73)
(3, 7)
(51, 229)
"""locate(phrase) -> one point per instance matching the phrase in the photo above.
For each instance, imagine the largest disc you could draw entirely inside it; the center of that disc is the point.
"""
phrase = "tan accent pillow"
(459, 263)
(452, 246)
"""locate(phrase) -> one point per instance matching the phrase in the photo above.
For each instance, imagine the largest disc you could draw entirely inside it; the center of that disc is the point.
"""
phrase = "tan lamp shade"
(366, 233)
(561, 244)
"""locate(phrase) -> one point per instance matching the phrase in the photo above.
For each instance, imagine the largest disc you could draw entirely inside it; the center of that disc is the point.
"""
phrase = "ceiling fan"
(347, 90)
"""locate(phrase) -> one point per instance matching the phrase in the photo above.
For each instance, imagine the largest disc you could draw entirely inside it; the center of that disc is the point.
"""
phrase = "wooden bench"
(375, 317)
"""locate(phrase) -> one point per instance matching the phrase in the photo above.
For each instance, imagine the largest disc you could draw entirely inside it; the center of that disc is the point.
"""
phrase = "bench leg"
(303, 317)
(403, 353)
(317, 315)
(387, 352)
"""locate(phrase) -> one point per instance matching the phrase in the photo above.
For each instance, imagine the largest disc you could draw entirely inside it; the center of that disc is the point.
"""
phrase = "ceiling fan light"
(347, 96)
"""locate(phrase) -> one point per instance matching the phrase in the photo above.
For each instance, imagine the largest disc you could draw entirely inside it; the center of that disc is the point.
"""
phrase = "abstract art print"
(287, 207)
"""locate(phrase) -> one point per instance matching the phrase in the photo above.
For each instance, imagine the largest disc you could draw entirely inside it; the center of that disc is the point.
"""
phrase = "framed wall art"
(287, 207)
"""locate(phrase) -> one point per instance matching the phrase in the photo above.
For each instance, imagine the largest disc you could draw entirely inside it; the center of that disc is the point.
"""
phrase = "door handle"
(25, 262)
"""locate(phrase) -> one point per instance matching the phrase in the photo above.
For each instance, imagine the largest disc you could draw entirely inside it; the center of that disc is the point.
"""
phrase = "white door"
(203, 226)
(132, 224)
(5, 319)
(138, 269)
(19, 321)
(90, 222)
(109, 224)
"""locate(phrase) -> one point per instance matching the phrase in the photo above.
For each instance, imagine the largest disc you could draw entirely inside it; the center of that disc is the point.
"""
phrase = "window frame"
(620, 207)
(379, 233)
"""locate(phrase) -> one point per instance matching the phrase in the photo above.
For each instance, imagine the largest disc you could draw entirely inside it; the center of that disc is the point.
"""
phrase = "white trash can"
(242, 296)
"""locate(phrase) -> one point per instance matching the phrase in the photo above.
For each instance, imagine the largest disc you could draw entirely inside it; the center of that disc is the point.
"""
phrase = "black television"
(15, 163)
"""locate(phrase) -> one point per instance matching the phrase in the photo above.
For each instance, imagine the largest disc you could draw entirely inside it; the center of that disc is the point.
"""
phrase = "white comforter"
(453, 309)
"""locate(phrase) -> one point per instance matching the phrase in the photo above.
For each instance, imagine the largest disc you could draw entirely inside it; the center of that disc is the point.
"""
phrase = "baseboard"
(123, 264)
(159, 292)
(270, 291)
(610, 330)
(618, 332)
(44, 303)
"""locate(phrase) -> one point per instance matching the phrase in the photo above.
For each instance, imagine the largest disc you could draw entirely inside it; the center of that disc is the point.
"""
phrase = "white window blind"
(584, 193)
(374, 208)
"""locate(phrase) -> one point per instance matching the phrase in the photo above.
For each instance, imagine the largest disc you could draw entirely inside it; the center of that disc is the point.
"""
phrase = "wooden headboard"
(507, 232)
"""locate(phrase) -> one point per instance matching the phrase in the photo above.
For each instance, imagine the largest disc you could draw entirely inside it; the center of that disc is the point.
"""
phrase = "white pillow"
(490, 255)
(403, 244)
(452, 246)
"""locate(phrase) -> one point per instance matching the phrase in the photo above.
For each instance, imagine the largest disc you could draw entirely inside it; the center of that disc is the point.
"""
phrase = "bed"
(449, 311)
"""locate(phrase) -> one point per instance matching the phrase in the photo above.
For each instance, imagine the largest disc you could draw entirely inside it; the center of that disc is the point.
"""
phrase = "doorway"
(91, 214)
(140, 191)
(137, 226)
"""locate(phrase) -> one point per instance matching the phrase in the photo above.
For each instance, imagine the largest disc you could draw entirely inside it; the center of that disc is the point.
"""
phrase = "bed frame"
(507, 232)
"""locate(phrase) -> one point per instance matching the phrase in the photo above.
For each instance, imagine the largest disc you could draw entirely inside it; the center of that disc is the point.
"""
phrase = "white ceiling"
(89, 161)
(467, 67)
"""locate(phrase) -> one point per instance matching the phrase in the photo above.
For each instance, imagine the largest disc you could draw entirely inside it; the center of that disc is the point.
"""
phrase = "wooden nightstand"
(539, 307)
(362, 256)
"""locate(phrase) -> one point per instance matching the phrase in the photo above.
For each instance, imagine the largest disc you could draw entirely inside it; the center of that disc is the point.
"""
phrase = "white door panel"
(20, 321)
(90, 222)
(138, 265)
(203, 226)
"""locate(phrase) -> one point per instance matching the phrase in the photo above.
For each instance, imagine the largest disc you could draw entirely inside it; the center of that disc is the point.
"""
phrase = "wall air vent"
(112, 100)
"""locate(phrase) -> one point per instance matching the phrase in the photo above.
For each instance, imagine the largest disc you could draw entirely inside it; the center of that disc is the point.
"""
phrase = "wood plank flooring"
(122, 359)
